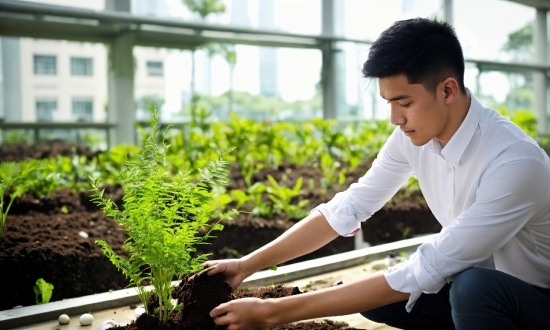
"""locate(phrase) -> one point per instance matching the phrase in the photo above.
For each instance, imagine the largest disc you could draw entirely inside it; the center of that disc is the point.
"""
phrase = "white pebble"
(64, 319)
(107, 324)
(83, 234)
(138, 311)
(86, 319)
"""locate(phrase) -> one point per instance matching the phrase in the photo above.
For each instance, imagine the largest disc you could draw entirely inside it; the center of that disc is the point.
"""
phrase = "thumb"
(220, 310)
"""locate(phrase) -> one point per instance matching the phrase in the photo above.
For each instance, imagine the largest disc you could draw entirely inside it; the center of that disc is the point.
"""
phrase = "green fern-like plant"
(162, 214)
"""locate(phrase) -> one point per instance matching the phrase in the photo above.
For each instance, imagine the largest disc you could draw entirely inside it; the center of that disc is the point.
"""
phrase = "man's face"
(421, 115)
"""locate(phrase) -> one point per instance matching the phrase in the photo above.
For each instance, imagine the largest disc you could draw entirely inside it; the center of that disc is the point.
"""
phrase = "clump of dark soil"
(199, 297)
(204, 293)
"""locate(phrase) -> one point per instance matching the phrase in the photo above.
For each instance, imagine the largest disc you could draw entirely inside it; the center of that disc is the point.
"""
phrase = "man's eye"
(405, 105)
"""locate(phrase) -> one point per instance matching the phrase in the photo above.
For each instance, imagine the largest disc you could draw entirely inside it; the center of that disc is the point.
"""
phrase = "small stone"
(83, 234)
(138, 311)
(86, 319)
(18, 306)
(338, 283)
(107, 324)
(64, 319)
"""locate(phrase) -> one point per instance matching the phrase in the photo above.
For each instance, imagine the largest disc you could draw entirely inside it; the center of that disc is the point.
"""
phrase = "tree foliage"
(205, 7)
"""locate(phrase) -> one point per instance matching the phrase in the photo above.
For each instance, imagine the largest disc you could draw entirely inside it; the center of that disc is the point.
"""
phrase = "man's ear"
(450, 90)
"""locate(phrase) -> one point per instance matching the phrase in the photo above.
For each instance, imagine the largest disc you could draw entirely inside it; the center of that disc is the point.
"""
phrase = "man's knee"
(386, 314)
(469, 286)
(375, 315)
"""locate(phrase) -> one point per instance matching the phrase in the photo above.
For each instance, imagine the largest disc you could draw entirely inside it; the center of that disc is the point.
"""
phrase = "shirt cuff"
(414, 276)
(339, 215)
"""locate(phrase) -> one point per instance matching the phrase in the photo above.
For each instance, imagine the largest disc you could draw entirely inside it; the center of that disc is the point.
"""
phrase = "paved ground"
(345, 275)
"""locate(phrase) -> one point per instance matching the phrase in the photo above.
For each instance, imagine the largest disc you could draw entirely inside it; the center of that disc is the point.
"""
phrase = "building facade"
(63, 81)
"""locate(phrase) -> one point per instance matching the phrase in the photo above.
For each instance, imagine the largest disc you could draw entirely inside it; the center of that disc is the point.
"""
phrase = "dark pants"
(479, 298)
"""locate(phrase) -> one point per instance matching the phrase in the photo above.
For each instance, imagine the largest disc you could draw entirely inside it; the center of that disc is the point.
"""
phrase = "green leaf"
(43, 291)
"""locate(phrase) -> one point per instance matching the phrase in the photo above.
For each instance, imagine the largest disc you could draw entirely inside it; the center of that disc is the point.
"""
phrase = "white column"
(328, 81)
(11, 78)
(448, 11)
(121, 89)
(333, 71)
(539, 78)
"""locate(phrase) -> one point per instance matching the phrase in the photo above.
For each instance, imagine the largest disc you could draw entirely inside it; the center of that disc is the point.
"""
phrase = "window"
(83, 110)
(46, 65)
(154, 69)
(45, 109)
(81, 66)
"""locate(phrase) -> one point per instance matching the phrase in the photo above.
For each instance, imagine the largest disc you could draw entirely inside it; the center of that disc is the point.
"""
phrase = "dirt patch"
(43, 150)
(204, 293)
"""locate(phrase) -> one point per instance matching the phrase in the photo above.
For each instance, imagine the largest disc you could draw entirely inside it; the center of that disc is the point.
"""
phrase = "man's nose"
(396, 117)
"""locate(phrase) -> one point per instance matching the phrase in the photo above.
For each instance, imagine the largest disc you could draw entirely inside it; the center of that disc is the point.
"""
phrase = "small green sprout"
(43, 291)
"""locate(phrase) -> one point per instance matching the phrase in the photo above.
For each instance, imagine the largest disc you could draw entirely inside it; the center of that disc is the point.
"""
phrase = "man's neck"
(457, 113)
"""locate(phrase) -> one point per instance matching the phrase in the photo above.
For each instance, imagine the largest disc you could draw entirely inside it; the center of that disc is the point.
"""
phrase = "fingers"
(210, 269)
(200, 273)
(218, 313)
(209, 264)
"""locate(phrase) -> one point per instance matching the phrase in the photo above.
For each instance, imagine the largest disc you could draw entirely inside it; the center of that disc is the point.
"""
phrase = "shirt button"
(449, 169)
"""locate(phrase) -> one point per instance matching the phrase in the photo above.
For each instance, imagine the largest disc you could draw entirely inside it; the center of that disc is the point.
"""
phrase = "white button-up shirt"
(489, 187)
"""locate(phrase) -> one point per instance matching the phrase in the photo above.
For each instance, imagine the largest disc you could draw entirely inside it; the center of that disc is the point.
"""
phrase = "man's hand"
(232, 269)
(244, 314)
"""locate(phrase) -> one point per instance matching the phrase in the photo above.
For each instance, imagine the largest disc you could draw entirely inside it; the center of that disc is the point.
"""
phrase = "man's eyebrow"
(396, 98)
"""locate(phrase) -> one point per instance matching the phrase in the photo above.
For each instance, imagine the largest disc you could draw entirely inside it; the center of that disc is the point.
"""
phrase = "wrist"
(268, 310)
(247, 266)
(251, 264)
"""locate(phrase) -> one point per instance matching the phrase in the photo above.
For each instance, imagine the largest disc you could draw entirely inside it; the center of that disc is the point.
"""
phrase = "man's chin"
(418, 142)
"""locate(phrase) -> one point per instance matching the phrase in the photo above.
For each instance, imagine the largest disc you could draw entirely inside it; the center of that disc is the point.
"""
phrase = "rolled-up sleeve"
(506, 199)
(362, 199)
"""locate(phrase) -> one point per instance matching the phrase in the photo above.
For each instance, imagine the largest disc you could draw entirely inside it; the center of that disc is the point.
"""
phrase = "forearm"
(358, 296)
(306, 236)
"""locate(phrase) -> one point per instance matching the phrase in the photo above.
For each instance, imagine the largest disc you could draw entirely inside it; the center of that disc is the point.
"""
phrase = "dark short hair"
(426, 51)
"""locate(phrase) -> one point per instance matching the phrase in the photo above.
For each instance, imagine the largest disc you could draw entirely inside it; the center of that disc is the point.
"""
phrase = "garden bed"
(53, 237)
(306, 276)
(41, 241)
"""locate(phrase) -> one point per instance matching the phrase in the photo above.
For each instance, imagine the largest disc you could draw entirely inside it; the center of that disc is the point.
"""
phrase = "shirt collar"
(454, 149)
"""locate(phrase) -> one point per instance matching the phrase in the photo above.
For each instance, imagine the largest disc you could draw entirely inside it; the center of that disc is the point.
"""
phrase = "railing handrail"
(56, 125)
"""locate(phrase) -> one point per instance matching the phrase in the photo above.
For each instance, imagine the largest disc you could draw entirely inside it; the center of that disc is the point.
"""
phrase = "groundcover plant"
(165, 216)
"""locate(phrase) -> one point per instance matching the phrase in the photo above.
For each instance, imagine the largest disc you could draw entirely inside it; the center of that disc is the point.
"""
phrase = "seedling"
(163, 214)
(43, 291)
(282, 198)
(19, 177)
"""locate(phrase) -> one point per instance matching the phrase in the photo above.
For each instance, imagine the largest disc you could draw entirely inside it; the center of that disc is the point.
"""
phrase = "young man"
(485, 181)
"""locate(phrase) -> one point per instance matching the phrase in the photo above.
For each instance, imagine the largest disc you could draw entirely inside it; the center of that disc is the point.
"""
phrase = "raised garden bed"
(53, 237)
(308, 275)
(41, 241)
